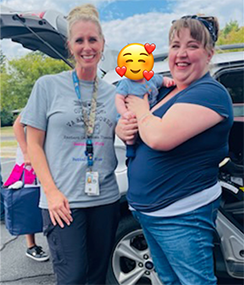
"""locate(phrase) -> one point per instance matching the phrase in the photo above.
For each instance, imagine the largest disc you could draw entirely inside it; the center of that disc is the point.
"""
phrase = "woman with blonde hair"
(71, 119)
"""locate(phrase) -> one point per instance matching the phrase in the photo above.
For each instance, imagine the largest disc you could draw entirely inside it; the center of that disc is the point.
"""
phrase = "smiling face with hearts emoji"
(136, 61)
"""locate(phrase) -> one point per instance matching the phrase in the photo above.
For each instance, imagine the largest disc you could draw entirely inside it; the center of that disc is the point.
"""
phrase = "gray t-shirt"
(54, 108)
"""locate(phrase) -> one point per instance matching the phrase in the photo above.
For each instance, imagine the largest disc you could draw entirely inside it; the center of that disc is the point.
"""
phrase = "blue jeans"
(182, 246)
(1, 198)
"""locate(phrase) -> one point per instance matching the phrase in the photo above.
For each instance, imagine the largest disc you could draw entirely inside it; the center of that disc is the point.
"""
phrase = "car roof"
(222, 60)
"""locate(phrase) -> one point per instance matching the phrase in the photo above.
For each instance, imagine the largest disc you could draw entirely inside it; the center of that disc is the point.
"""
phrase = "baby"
(138, 88)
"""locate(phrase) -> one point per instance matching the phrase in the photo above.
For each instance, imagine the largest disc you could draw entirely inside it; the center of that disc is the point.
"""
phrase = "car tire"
(130, 262)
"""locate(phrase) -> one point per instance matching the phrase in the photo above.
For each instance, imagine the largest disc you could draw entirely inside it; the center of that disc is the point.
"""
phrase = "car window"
(238, 110)
(232, 79)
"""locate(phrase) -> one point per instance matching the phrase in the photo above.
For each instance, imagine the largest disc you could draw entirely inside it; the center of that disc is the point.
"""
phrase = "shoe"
(37, 253)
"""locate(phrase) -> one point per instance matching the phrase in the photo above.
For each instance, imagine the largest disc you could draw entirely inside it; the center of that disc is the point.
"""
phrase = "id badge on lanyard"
(92, 177)
(92, 183)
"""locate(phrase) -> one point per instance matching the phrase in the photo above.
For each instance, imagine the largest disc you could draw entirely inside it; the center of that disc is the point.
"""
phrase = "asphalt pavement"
(15, 267)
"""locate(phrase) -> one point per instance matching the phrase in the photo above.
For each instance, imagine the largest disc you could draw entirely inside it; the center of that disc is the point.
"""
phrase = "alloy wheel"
(132, 263)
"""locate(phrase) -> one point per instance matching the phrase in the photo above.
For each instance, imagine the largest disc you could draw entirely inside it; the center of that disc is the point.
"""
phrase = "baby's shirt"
(131, 87)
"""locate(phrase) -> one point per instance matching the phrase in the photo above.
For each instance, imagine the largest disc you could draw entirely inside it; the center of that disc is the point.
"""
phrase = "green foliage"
(17, 82)
(229, 27)
(2, 61)
(6, 118)
(231, 34)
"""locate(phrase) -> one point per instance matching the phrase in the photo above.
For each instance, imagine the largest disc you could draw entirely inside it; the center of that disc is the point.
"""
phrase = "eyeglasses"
(206, 21)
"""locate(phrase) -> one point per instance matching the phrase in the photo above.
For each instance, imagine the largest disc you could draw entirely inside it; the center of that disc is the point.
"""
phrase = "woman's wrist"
(48, 185)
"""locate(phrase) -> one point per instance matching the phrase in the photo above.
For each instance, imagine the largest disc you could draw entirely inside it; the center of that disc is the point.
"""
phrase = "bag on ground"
(22, 214)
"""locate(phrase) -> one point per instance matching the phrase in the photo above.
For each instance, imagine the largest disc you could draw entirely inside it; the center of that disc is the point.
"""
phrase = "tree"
(229, 27)
(6, 118)
(231, 34)
(16, 84)
(2, 61)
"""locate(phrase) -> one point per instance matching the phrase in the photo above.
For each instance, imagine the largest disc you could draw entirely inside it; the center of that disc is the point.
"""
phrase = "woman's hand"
(59, 209)
(127, 129)
(137, 105)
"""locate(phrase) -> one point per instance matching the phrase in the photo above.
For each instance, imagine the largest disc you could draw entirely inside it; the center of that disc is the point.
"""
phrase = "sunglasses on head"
(206, 21)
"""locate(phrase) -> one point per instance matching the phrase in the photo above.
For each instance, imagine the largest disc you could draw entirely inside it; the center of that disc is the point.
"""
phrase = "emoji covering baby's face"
(135, 59)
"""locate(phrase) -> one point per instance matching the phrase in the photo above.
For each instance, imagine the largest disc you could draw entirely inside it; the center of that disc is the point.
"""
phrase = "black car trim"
(21, 30)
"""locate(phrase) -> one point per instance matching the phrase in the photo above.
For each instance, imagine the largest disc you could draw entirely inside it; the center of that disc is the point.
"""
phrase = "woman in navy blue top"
(173, 187)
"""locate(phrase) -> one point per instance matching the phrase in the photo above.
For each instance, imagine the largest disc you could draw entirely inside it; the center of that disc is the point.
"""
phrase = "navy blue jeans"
(1, 197)
(80, 252)
(182, 246)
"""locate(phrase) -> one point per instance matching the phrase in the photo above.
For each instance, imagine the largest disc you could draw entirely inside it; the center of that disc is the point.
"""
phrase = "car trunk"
(34, 33)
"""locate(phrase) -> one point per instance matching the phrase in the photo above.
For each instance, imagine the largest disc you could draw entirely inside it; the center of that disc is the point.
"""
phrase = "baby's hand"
(168, 82)
(128, 115)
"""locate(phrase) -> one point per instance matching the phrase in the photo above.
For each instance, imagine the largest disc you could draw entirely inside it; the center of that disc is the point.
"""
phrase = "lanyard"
(89, 121)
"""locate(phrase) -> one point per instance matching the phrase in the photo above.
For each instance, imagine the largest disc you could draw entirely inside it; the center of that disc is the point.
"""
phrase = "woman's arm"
(180, 123)
(19, 133)
(58, 204)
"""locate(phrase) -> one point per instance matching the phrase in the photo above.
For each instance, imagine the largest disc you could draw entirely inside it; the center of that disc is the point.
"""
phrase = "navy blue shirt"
(160, 178)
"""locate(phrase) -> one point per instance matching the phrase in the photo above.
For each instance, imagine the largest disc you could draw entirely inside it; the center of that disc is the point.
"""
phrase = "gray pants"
(81, 251)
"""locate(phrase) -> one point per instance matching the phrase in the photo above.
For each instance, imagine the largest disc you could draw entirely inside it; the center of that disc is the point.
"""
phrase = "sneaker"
(37, 253)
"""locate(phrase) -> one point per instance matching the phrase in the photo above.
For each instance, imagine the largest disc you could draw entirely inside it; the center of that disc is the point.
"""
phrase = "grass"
(8, 144)
(7, 131)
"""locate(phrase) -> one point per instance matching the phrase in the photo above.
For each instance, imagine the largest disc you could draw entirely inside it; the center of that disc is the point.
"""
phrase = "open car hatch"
(34, 32)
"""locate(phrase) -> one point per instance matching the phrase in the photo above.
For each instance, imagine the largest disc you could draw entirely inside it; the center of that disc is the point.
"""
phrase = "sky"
(136, 21)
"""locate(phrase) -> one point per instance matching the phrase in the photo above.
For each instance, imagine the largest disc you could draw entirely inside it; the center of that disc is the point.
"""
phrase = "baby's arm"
(121, 108)
(168, 82)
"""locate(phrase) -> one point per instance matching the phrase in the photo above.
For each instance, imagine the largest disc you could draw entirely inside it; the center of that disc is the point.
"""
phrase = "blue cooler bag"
(22, 214)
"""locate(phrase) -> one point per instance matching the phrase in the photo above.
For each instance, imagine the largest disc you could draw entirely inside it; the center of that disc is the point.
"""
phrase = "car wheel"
(130, 262)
